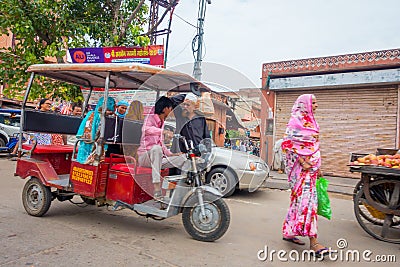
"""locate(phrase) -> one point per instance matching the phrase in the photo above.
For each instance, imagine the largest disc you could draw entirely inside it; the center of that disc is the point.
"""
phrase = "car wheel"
(223, 180)
(3, 141)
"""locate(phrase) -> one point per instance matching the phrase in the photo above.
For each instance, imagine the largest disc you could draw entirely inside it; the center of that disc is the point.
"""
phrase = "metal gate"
(351, 120)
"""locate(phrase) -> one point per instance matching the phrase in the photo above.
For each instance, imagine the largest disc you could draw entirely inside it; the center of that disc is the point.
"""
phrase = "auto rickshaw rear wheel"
(36, 197)
(215, 223)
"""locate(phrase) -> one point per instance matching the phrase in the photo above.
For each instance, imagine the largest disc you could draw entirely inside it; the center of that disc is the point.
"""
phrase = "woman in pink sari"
(302, 162)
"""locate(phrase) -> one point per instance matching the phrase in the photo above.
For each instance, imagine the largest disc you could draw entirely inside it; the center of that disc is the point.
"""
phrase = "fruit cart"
(377, 195)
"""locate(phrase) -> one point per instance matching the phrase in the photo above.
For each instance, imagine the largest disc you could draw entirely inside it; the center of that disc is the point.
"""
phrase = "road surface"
(69, 235)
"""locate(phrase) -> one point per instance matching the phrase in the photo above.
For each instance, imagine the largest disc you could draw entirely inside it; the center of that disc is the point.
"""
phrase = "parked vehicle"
(230, 169)
(9, 124)
(376, 196)
(115, 180)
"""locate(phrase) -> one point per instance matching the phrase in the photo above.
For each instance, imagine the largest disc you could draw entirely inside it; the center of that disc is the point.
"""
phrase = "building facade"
(358, 97)
(246, 104)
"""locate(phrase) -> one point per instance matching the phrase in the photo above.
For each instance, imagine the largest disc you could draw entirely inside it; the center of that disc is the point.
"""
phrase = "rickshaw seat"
(50, 149)
(114, 160)
(130, 167)
(124, 167)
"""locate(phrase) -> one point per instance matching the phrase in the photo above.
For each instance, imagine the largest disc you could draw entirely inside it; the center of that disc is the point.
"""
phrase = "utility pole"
(155, 20)
(197, 44)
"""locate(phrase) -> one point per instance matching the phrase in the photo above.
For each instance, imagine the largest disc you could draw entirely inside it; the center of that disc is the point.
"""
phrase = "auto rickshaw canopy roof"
(128, 76)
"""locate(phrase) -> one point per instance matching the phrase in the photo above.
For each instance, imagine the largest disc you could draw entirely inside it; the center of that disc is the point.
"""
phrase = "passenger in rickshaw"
(89, 131)
(40, 138)
(121, 108)
(152, 151)
(45, 105)
(133, 118)
(44, 138)
(114, 128)
(76, 110)
(190, 123)
(135, 111)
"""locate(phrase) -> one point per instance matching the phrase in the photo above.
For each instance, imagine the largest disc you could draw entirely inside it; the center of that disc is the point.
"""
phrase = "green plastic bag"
(324, 204)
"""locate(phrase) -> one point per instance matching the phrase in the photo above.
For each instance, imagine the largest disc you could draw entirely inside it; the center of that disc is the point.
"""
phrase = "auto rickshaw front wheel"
(211, 227)
(36, 197)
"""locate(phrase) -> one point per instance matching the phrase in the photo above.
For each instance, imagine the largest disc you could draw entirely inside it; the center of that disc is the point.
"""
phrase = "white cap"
(191, 97)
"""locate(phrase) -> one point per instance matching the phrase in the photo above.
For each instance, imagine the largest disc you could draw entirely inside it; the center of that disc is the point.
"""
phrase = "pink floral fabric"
(302, 140)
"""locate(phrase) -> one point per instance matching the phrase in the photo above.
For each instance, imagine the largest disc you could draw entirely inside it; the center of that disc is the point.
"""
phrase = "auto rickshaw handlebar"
(188, 145)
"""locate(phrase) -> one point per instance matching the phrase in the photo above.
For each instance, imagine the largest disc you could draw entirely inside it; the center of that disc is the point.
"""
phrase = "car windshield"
(10, 120)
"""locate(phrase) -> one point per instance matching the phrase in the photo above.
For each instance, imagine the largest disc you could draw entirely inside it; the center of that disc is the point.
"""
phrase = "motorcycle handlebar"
(188, 146)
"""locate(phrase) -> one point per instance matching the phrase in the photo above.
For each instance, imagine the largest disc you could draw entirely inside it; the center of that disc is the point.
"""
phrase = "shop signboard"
(152, 55)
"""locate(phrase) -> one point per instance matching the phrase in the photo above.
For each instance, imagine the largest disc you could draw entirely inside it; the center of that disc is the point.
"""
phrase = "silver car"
(232, 169)
(9, 126)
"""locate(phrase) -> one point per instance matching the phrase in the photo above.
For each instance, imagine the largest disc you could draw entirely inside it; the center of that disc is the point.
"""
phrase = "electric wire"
(184, 20)
(184, 48)
(200, 17)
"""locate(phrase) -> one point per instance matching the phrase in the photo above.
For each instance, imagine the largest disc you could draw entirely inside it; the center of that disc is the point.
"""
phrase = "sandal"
(320, 253)
(294, 240)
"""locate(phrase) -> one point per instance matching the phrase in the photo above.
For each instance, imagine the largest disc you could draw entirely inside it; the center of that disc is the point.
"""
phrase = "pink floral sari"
(302, 140)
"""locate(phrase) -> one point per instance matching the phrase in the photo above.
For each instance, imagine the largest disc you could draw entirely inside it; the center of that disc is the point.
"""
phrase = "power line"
(184, 48)
(184, 20)
(198, 40)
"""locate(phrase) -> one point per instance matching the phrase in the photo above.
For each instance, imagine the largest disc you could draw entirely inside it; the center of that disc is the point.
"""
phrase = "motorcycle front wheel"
(210, 227)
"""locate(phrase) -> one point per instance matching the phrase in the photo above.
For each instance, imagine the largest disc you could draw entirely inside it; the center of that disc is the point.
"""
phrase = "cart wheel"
(364, 210)
(381, 226)
(357, 188)
(214, 225)
(36, 197)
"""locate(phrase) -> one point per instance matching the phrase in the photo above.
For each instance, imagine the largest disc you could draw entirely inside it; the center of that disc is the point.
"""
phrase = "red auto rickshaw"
(116, 180)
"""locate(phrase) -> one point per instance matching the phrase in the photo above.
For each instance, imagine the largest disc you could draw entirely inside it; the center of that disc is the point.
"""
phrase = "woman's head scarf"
(110, 104)
(89, 130)
(90, 124)
(135, 111)
(121, 103)
(302, 132)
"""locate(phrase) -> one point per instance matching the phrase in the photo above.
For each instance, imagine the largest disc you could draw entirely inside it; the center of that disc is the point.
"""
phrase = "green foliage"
(234, 134)
(44, 29)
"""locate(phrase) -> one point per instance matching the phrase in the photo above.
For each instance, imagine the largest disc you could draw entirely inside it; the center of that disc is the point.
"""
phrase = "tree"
(235, 134)
(44, 29)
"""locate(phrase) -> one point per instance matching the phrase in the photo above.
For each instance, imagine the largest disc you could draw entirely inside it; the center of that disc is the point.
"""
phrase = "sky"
(241, 35)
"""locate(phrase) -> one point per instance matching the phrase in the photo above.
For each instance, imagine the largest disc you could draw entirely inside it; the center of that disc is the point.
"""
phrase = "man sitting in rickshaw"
(190, 123)
(152, 151)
